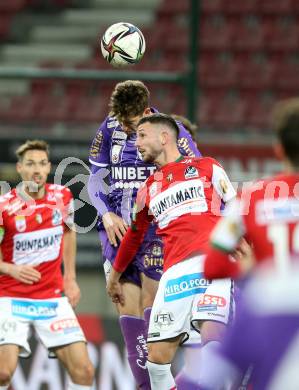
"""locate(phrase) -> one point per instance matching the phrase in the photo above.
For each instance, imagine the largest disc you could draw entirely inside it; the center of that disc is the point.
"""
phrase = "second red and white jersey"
(31, 232)
(268, 215)
(185, 199)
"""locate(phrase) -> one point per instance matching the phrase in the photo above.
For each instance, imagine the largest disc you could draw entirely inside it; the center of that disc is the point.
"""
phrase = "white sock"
(160, 376)
(74, 386)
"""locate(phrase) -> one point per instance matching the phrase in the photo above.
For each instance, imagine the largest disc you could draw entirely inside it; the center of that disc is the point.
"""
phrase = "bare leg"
(8, 362)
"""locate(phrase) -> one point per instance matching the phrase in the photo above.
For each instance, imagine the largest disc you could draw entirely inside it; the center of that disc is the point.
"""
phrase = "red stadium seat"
(255, 71)
(286, 75)
(53, 110)
(248, 34)
(259, 110)
(213, 6)
(12, 6)
(229, 112)
(216, 70)
(282, 34)
(215, 34)
(275, 7)
(22, 109)
(5, 25)
(89, 109)
(170, 7)
(244, 7)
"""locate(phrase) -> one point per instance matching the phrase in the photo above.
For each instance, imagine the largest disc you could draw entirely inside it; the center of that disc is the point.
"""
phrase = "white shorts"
(53, 320)
(184, 296)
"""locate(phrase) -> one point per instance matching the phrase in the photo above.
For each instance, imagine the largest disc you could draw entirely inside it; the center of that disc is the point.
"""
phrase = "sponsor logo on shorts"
(209, 302)
(67, 325)
(8, 326)
(38, 310)
(216, 315)
(185, 286)
(153, 335)
(163, 319)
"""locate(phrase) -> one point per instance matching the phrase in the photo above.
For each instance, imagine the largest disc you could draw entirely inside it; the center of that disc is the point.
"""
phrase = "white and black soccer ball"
(123, 44)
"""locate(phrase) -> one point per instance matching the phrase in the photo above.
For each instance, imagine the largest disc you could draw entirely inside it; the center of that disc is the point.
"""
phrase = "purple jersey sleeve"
(99, 151)
(186, 145)
(99, 157)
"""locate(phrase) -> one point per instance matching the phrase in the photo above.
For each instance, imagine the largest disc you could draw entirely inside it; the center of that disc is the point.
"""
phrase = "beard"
(151, 156)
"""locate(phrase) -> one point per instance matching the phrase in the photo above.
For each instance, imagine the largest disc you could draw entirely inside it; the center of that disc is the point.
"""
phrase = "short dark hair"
(286, 126)
(35, 144)
(129, 98)
(161, 119)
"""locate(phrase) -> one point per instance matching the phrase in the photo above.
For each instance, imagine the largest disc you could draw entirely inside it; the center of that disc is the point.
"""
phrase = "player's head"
(33, 162)
(128, 103)
(286, 125)
(155, 133)
(189, 126)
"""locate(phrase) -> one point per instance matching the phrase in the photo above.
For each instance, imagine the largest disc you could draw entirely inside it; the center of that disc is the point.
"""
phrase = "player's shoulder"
(8, 198)
(108, 126)
(201, 161)
(57, 191)
(209, 161)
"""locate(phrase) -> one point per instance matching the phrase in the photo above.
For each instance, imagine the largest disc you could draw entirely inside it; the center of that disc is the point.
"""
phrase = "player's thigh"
(149, 290)
(73, 355)
(59, 325)
(172, 307)
(15, 324)
(212, 331)
(162, 352)
(132, 305)
(9, 358)
(213, 309)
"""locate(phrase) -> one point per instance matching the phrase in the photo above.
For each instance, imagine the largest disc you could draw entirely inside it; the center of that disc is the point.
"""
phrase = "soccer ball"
(123, 44)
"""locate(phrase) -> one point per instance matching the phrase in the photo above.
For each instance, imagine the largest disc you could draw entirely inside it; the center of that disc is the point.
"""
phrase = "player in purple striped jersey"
(117, 172)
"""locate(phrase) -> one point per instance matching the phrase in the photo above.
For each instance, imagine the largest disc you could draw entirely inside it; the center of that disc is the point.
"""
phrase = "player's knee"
(82, 373)
(5, 376)
(157, 355)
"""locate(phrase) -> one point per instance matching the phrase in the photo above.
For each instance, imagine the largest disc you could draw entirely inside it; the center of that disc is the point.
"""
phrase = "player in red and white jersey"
(32, 234)
(36, 236)
(265, 334)
(184, 197)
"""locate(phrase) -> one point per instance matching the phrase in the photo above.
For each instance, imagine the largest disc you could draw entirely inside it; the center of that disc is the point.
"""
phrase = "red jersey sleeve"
(219, 265)
(135, 234)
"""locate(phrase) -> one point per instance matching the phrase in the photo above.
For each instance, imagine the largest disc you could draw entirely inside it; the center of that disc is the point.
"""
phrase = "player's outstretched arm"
(71, 288)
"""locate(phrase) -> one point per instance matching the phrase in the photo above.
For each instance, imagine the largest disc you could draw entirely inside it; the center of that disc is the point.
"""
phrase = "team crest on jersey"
(56, 217)
(115, 153)
(20, 221)
(153, 189)
(191, 172)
